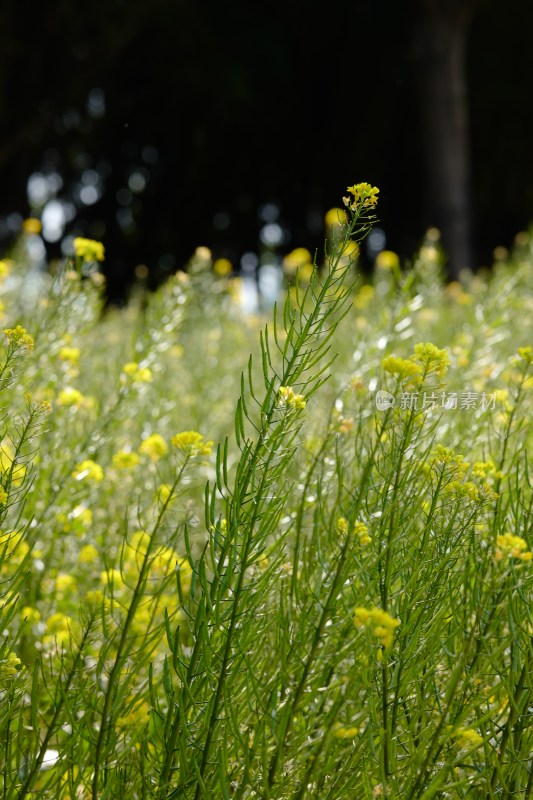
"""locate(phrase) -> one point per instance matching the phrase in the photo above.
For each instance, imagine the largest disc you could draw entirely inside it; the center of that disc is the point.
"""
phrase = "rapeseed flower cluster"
(9, 666)
(89, 249)
(345, 731)
(401, 367)
(387, 260)
(362, 300)
(32, 226)
(30, 615)
(19, 337)
(363, 196)
(88, 554)
(350, 253)
(154, 446)
(287, 398)
(137, 373)
(298, 260)
(70, 397)
(222, 267)
(125, 459)
(445, 458)
(89, 470)
(427, 359)
(191, 443)
(467, 738)
(433, 359)
(335, 217)
(76, 521)
(60, 628)
(510, 546)
(360, 530)
(95, 559)
(70, 354)
(486, 469)
(525, 353)
(380, 624)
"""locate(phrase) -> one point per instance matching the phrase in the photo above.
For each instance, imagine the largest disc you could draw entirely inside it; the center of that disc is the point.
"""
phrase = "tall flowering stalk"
(294, 366)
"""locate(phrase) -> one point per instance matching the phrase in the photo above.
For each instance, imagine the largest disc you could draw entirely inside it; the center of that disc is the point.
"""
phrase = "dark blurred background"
(160, 125)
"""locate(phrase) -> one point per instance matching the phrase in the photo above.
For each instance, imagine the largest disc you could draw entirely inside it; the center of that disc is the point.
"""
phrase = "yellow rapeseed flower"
(71, 354)
(402, 367)
(19, 336)
(361, 616)
(94, 598)
(125, 459)
(525, 353)
(32, 226)
(342, 526)
(482, 469)
(154, 446)
(88, 554)
(5, 268)
(88, 249)
(58, 628)
(203, 253)
(364, 296)
(363, 196)
(9, 666)
(443, 458)
(467, 737)
(289, 399)
(432, 358)
(387, 260)
(335, 217)
(70, 397)
(64, 582)
(112, 577)
(350, 251)
(164, 493)
(361, 531)
(465, 489)
(509, 546)
(80, 517)
(344, 732)
(222, 267)
(191, 443)
(30, 615)
(380, 624)
(88, 469)
(305, 272)
(137, 373)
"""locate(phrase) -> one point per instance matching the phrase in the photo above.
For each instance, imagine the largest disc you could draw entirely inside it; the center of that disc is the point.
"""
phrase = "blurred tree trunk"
(439, 50)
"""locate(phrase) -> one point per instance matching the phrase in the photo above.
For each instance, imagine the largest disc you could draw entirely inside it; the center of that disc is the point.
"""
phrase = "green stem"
(52, 727)
(121, 655)
(513, 714)
(319, 631)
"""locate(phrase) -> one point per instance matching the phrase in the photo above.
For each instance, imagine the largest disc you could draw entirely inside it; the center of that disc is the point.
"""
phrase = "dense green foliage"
(333, 600)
